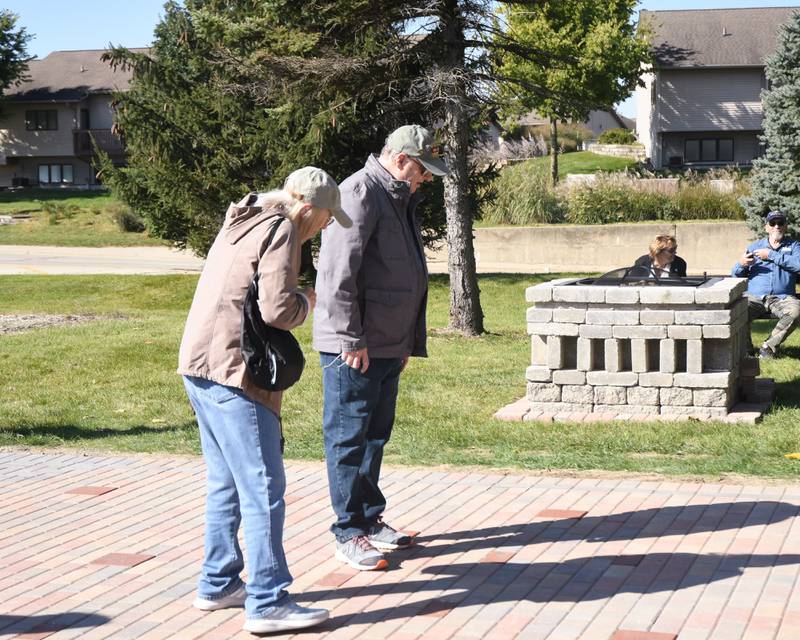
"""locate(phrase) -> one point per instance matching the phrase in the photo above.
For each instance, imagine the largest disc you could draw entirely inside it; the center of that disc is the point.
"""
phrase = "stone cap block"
(579, 293)
(543, 292)
(640, 331)
(719, 380)
(535, 314)
(595, 331)
(722, 292)
(552, 329)
(655, 379)
(666, 295)
(622, 295)
(538, 374)
(619, 379)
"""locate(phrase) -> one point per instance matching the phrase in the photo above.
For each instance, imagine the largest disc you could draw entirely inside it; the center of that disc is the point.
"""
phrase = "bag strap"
(270, 237)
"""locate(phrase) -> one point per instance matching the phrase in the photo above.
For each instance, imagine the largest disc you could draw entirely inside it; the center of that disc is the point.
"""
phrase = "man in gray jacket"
(372, 288)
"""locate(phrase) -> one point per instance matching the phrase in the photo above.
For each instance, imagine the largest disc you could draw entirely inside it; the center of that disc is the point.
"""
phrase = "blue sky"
(93, 24)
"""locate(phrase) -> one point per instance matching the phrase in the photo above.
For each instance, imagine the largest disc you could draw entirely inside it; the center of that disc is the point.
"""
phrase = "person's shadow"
(49, 623)
(498, 578)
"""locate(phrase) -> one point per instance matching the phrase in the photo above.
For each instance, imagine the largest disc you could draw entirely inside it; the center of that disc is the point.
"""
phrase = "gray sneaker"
(384, 537)
(285, 618)
(234, 599)
(359, 553)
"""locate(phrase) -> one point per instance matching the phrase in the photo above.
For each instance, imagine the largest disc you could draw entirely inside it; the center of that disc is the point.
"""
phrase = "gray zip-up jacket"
(372, 280)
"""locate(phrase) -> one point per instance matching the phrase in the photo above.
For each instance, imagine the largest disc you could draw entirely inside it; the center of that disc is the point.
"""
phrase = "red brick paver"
(498, 556)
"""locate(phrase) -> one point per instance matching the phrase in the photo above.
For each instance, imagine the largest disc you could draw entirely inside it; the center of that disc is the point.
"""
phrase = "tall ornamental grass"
(526, 197)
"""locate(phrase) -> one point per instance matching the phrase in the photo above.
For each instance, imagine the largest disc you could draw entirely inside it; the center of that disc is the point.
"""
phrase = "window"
(55, 174)
(709, 150)
(725, 152)
(692, 151)
(41, 120)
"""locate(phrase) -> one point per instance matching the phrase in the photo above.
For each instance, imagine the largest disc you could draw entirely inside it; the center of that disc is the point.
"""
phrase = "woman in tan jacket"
(239, 423)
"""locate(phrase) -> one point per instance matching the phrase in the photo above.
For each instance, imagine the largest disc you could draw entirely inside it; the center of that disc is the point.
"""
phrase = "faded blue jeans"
(245, 482)
(357, 418)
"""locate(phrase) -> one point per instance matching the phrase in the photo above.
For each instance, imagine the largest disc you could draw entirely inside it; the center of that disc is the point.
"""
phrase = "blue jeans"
(245, 481)
(357, 418)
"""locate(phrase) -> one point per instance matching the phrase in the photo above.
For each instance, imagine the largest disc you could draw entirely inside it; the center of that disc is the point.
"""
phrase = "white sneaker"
(235, 599)
(285, 618)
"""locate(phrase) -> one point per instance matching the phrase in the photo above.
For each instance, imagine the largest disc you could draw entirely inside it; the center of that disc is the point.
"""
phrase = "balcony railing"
(103, 138)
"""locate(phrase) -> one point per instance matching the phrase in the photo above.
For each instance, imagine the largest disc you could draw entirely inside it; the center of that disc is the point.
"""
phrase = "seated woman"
(662, 261)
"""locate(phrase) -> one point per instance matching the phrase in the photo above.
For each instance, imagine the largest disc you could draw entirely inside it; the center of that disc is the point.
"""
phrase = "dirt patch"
(25, 322)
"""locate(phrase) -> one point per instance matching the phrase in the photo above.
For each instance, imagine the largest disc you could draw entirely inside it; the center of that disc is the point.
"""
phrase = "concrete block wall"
(651, 349)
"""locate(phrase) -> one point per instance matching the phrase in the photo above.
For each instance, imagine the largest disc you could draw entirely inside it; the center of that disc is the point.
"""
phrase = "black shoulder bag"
(272, 356)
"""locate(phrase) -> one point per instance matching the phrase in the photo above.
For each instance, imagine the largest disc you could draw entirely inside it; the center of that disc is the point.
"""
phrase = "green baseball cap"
(316, 187)
(418, 142)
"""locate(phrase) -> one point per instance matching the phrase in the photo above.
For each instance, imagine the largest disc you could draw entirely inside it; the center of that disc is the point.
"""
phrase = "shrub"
(611, 200)
(126, 218)
(51, 209)
(617, 136)
(699, 201)
(524, 196)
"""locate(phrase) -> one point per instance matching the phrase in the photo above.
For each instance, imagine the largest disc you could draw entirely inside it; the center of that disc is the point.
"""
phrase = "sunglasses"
(422, 169)
(669, 250)
(777, 223)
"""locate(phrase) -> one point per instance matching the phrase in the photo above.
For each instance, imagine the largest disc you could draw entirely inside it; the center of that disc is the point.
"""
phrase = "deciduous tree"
(596, 54)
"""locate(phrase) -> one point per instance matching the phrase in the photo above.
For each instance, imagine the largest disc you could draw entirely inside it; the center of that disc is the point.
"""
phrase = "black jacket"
(676, 268)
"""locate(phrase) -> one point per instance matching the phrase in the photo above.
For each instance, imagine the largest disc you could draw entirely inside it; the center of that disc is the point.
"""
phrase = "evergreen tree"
(200, 134)
(432, 55)
(775, 181)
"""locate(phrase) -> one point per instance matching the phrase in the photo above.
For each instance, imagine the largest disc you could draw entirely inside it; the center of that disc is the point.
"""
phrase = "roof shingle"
(68, 76)
(714, 37)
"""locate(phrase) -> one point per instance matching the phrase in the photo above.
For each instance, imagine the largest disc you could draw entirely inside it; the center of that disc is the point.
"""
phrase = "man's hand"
(405, 362)
(357, 359)
(763, 254)
(747, 259)
(309, 293)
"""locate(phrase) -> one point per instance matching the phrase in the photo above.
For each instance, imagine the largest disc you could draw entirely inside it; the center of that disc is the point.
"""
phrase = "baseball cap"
(418, 142)
(314, 186)
(775, 215)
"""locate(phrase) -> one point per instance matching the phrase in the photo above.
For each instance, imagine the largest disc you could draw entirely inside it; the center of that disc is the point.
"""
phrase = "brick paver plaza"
(102, 546)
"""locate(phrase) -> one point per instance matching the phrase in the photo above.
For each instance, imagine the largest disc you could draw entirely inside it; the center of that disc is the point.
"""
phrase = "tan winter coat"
(210, 346)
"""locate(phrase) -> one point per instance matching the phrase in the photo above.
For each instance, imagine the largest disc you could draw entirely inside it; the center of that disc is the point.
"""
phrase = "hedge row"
(526, 197)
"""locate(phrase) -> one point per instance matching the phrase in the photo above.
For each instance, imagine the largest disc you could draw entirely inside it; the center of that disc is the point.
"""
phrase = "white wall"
(15, 140)
(644, 113)
(709, 100)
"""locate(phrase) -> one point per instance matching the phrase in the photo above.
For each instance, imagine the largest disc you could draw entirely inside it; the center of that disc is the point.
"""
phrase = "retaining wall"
(710, 247)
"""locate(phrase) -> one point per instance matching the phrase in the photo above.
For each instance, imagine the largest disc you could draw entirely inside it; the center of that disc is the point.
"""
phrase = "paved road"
(16, 259)
(499, 556)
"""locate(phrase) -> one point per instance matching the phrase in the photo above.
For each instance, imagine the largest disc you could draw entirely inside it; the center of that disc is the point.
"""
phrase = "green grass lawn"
(90, 225)
(584, 162)
(110, 385)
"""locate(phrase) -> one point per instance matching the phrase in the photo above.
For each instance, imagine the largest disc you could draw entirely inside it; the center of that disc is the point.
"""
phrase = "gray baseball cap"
(316, 187)
(418, 142)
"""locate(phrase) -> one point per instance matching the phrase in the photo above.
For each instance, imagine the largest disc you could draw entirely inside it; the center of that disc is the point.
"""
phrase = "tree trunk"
(553, 151)
(466, 314)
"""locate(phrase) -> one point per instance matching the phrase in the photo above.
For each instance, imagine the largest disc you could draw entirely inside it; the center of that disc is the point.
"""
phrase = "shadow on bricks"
(629, 525)
(574, 580)
(50, 623)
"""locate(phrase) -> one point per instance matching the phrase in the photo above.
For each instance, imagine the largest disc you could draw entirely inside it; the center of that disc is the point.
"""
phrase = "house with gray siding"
(700, 105)
(52, 119)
